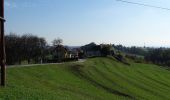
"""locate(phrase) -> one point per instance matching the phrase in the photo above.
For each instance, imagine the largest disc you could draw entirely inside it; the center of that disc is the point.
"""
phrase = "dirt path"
(11, 66)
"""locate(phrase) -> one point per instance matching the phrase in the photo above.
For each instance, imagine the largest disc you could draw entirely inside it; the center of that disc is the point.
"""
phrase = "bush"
(121, 58)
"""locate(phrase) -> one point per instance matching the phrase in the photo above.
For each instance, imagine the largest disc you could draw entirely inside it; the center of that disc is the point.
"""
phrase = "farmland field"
(95, 79)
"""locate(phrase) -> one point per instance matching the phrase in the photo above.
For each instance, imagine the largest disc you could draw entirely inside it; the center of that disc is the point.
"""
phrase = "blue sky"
(79, 22)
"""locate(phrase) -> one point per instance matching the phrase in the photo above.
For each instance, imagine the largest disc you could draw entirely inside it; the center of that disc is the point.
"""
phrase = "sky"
(80, 22)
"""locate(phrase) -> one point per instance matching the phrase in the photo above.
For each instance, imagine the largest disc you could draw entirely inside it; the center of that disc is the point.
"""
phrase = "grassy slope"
(95, 79)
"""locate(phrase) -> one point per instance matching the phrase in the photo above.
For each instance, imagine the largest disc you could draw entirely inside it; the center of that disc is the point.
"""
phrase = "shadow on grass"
(76, 69)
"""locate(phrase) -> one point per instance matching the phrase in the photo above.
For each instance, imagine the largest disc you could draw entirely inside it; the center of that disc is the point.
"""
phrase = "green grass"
(95, 79)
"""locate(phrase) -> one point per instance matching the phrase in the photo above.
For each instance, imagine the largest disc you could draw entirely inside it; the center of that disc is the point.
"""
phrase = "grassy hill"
(95, 79)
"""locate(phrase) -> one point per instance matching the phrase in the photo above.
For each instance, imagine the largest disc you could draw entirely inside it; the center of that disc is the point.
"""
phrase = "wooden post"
(2, 45)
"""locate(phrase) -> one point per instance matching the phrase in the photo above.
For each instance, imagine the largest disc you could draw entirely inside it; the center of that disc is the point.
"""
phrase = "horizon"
(82, 22)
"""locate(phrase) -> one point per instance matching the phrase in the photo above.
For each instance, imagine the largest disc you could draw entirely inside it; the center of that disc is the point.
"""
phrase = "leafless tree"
(57, 41)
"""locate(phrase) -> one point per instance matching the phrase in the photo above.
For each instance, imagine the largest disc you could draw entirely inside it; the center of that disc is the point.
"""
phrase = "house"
(59, 53)
(72, 53)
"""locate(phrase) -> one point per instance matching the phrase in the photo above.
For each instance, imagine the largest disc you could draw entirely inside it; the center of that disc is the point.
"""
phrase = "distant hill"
(95, 79)
(72, 47)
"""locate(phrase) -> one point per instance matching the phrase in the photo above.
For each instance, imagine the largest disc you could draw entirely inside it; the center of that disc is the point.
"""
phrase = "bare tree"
(57, 41)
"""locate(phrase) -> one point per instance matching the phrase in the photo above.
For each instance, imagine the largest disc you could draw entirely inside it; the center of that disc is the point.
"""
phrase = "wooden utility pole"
(2, 45)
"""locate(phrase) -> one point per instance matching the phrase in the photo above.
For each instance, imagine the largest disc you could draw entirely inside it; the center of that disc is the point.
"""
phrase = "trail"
(29, 65)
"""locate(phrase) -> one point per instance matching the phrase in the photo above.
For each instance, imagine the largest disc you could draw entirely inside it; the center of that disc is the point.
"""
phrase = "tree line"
(24, 48)
(132, 50)
(33, 49)
(159, 56)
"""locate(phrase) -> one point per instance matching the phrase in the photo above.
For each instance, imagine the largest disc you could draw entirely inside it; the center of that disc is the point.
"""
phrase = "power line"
(142, 4)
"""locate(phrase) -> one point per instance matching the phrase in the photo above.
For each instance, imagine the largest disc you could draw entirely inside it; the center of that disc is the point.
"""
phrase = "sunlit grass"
(95, 79)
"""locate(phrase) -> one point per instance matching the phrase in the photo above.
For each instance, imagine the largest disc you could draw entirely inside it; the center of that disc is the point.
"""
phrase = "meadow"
(101, 78)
